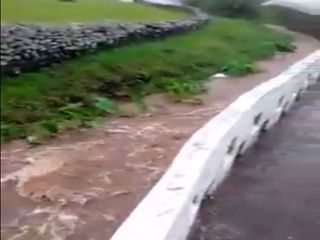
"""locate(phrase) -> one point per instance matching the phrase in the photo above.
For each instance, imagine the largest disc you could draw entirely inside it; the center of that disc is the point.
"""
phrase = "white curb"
(169, 209)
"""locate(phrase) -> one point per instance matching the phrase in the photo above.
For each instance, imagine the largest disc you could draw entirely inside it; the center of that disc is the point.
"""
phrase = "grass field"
(81, 11)
(77, 92)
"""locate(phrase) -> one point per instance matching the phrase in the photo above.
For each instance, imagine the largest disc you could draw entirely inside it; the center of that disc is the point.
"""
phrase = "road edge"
(169, 209)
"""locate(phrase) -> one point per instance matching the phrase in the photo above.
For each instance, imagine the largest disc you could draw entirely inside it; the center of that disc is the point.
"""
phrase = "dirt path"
(82, 185)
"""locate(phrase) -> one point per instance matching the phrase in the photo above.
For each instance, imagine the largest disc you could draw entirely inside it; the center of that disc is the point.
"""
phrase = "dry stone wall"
(26, 47)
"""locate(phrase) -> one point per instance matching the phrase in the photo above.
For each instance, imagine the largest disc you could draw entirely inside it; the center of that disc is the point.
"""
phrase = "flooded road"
(273, 193)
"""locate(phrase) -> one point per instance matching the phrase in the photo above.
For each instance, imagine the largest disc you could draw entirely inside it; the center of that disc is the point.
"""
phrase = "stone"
(30, 46)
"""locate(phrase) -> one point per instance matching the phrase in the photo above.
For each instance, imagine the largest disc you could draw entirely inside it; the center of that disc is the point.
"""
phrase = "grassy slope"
(81, 11)
(69, 95)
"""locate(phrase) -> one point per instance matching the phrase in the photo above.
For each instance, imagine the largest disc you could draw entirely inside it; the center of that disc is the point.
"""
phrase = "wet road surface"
(273, 193)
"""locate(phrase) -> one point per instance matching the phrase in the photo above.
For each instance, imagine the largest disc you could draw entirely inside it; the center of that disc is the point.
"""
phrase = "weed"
(105, 105)
(137, 98)
(239, 68)
(79, 91)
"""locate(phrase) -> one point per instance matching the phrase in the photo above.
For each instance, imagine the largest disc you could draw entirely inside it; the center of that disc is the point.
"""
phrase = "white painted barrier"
(169, 209)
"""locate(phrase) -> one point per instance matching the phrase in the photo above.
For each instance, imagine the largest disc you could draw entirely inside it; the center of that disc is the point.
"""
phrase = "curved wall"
(168, 211)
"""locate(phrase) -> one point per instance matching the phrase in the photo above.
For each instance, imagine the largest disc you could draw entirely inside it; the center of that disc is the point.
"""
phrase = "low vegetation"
(80, 91)
(81, 11)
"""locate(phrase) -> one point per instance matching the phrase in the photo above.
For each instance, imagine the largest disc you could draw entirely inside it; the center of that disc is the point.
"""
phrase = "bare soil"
(83, 184)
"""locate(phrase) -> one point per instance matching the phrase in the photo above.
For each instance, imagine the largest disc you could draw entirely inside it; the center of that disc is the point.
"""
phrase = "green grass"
(81, 11)
(80, 91)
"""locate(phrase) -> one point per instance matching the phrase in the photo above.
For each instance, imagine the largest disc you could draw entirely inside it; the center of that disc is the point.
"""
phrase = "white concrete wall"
(168, 211)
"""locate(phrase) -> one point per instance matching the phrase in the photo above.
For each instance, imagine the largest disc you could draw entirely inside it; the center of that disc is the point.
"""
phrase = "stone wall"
(26, 47)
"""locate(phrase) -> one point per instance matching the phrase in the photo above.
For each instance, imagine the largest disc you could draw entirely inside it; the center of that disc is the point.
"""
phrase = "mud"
(83, 184)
